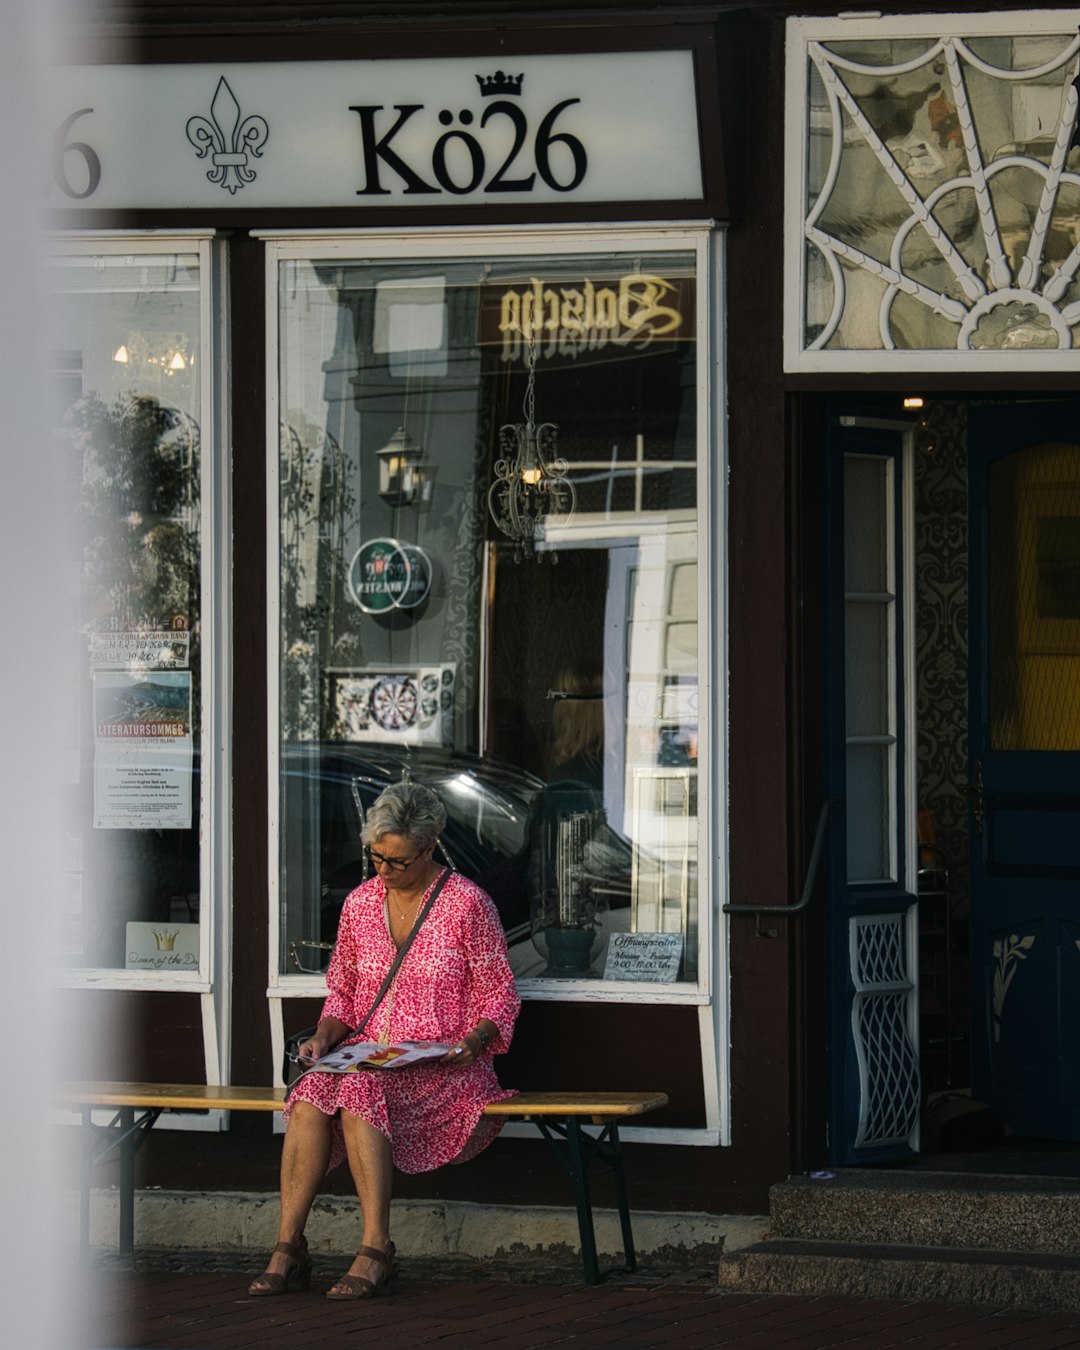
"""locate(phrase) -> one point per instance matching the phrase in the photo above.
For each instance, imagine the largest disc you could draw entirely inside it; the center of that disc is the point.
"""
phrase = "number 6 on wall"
(63, 147)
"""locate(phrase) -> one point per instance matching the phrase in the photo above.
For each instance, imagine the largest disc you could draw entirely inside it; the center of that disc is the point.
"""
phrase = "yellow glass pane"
(1034, 599)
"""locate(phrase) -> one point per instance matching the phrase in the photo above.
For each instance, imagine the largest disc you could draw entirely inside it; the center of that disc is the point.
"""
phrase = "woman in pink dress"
(454, 985)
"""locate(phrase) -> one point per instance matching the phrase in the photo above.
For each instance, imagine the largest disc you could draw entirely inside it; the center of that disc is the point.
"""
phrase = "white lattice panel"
(888, 1060)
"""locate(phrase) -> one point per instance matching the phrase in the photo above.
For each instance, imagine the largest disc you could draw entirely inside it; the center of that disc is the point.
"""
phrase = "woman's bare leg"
(305, 1156)
(371, 1164)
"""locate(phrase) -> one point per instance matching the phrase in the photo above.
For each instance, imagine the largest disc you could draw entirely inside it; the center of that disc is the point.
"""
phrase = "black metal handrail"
(827, 807)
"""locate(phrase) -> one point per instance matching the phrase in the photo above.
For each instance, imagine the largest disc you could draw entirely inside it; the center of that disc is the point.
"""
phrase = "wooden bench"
(559, 1116)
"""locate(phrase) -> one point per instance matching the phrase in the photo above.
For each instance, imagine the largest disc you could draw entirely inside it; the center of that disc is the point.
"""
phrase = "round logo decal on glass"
(386, 574)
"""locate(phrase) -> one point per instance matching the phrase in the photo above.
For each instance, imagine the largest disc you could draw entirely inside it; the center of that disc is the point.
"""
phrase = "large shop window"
(130, 333)
(488, 545)
(933, 193)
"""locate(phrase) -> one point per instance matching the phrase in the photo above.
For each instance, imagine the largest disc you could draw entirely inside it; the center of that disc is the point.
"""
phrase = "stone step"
(1035, 1281)
(930, 1209)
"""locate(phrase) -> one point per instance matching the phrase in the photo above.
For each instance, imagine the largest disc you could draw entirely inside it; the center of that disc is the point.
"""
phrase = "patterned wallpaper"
(941, 631)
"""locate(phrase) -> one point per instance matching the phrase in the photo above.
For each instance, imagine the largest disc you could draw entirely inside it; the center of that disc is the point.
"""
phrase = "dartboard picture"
(394, 702)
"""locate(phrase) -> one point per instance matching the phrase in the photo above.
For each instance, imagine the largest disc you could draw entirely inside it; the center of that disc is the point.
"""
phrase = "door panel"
(1025, 763)
(873, 1054)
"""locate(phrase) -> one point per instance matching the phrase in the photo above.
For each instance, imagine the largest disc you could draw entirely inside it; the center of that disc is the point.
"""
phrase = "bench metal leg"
(577, 1166)
(126, 1134)
(85, 1170)
(579, 1152)
(620, 1193)
(127, 1181)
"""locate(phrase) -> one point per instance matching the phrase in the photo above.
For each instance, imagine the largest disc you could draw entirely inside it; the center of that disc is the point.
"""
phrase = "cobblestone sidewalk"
(208, 1309)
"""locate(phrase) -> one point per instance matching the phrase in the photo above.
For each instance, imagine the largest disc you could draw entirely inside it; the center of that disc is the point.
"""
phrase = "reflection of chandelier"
(166, 352)
(530, 480)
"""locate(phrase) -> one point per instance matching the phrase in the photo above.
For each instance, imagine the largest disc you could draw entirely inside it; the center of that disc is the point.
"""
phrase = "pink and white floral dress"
(455, 973)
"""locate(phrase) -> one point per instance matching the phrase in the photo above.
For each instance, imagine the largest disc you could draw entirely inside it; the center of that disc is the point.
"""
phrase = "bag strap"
(402, 951)
(395, 965)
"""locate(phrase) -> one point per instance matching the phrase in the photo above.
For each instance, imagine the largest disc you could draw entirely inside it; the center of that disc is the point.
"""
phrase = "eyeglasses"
(395, 864)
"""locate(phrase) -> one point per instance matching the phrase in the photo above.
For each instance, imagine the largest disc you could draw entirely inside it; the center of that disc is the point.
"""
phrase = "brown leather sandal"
(299, 1273)
(358, 1286)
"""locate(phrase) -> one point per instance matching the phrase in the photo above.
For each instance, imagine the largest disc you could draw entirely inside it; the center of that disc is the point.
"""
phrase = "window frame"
(892, 603)
(424, 244)
(901, 821)
(214, 807)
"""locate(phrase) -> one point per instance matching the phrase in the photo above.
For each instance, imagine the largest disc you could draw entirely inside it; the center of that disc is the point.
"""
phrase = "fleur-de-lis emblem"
(232, 141)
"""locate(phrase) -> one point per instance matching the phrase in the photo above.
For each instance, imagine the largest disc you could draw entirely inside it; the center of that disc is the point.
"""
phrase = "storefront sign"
(385, 574)
(636, 309)
(614, 126)
(653, 957)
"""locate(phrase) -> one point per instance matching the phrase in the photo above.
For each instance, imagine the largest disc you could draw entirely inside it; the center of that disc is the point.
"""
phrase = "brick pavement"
(210, 1310)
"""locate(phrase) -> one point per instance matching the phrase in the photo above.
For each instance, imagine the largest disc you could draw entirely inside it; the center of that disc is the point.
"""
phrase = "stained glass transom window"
(936, 197)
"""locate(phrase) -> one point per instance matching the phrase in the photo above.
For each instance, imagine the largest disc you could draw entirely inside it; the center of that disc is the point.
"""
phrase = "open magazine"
(374, 1055)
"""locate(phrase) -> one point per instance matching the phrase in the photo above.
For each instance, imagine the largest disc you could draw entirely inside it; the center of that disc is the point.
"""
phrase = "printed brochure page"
(374, 1055)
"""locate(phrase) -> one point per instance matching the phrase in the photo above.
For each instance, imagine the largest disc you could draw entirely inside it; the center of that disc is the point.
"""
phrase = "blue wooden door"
(872, 978)
(1024, 774)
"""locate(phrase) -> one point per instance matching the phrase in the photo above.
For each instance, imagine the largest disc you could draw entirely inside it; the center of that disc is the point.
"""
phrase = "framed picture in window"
(404, 705)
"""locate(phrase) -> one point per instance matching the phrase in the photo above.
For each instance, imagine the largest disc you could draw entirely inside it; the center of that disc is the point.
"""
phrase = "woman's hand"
(327, 1034)
(472, 1045)
(313, 1049)
(464, 1052)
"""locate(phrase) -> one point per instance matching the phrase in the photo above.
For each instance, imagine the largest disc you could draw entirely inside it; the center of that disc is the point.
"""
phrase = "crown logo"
(499, 84)
(166, 941)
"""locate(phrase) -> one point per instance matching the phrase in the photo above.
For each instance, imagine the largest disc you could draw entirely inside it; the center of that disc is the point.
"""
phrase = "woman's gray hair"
(408, 809)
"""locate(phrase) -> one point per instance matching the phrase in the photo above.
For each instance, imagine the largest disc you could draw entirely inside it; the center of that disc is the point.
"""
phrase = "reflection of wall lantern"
(403, 480)
(530, 479)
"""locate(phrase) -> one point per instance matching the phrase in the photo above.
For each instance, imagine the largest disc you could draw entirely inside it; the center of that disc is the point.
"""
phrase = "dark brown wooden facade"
(772, 546)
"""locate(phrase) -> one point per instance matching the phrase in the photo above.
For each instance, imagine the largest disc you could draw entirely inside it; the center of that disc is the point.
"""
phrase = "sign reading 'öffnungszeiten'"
(614, 126)
(654, 957)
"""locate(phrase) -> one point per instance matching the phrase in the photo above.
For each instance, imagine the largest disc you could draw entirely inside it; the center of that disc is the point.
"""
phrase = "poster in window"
(143, 750)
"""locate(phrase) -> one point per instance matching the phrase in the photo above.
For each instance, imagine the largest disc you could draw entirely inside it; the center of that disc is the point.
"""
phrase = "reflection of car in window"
(488, 804)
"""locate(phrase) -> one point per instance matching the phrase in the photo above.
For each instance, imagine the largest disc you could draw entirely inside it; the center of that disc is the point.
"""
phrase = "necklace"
(404, 916)
(414, 902)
